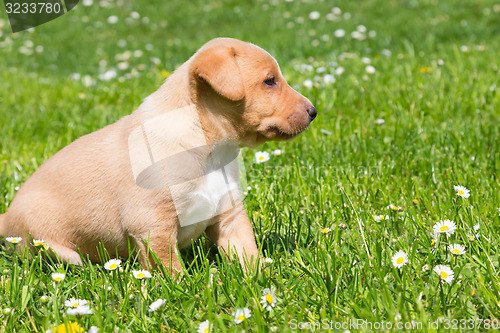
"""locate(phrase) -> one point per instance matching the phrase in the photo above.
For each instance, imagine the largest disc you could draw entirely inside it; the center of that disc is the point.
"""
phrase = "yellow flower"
(165, 73)
(425, 69)
(415, 201)
(71, 327)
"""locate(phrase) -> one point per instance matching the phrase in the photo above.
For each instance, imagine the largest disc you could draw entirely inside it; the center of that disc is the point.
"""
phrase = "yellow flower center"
(75, 305)
(471, 237)
(261, 158)
(113, 266)
(456, 251)
(444, 228)
(444, 275)
(400, 260)
(415, 201)
(269, 298)
(206, 329)
(325, 231)
(141, 275)
(433, 242)
(395, 208)
(241, 317)
(38, 243)
(57, 279)
(460, 192)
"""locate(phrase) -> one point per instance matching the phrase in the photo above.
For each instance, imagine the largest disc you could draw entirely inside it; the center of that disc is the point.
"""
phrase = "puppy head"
(243, 84)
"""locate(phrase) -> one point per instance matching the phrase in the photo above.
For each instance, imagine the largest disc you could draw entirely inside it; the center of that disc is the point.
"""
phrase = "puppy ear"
(217, 66)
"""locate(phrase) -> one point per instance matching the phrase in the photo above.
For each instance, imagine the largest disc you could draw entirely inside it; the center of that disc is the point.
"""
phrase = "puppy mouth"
(275, 133)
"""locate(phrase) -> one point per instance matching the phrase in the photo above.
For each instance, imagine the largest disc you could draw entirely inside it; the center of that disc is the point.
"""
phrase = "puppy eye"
(270, 82)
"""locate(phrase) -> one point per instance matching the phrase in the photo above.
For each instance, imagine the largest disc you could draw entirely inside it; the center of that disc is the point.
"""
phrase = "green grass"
(438, 92)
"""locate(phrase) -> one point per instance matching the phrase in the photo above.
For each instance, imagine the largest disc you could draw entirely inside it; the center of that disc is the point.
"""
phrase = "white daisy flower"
(74, 302)
(93, 329)
(58, 276)
(13, 240)
(339, 33)
(370, 69)
(205, 327)
(261, 157)
(268, 299)
(462, 191)
(380, 121)
(80, 310)
(396, 208)
(139, 275)
(314, 15)
(112, 19)
(445, 273)
(268, 261)
(446, 226)
(380, 217)
(308, 84)
(277, 152)
(456, 249)
(40, 242)
(399, 259)
(325, 230)
(113, 264)
(241, 314)
(339, 70)
(156, 305)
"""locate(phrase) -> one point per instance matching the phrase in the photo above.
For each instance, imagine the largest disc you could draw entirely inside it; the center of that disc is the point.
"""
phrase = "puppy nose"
(312, 112)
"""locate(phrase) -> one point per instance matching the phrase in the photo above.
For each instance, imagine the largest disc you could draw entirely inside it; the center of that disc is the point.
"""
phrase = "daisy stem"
(443, 302)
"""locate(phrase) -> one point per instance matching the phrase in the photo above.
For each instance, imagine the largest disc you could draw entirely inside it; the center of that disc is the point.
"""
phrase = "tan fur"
(85, 194)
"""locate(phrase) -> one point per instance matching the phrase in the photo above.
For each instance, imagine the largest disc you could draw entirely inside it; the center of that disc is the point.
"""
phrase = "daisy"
(74, 303)
(325, 230)
(139, 275)
(396, 208)
(444, 272)
(268, 300)
(80, 310)
(156, 305)
(446, 226)
(314, 15)
(204, 327)
(462, 191)
(93, 329)
(261, 156)
(277, 152)
(13, 240)
(370, 69)
(476, 227)
(58, 276)
(380, 217)
(456, 249)
(339, 33)
(268, 261)
(39, 242)
(399, 259)
(241, 314)
(113, 264)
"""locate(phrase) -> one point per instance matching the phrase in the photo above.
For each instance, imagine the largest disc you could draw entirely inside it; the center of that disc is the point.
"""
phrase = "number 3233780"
(33, 8)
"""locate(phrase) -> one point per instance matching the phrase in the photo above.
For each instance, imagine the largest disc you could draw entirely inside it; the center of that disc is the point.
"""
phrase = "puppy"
(160, 177)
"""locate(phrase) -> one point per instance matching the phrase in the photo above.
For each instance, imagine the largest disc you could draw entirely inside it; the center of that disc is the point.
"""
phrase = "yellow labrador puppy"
(165, 174)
